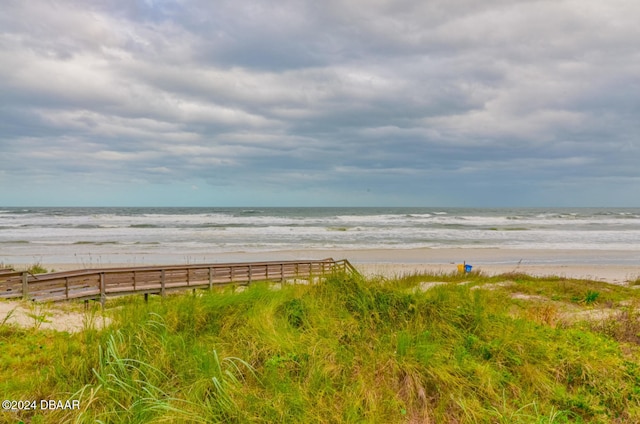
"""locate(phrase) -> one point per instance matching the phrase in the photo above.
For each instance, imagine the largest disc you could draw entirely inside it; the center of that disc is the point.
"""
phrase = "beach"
(611, 266)
(589, 243)
(579, 264)
(608, 266)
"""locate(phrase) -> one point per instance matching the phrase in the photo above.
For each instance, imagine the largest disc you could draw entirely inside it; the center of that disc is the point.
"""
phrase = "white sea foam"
(70, 232)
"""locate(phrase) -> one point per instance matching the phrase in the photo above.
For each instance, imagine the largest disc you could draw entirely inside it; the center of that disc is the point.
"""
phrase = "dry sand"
(615, 267)
(614, 274)
(612, 266)
(59, 317)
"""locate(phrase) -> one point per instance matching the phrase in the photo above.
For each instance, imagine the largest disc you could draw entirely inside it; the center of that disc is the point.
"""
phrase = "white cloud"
(335, 96)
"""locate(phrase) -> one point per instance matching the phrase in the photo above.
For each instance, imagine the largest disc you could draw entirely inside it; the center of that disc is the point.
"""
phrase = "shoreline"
(612, 266)
(612, 274)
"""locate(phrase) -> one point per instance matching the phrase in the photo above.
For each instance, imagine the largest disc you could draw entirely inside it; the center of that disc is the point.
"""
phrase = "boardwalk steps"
(98, 284)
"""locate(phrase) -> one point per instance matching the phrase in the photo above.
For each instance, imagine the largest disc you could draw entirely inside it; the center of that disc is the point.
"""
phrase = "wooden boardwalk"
(98, 284)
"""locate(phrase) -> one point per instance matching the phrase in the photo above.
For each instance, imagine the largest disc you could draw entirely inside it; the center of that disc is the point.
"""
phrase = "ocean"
(96, 236)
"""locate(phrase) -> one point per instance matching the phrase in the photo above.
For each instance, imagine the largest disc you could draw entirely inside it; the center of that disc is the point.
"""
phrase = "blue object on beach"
(467, 268)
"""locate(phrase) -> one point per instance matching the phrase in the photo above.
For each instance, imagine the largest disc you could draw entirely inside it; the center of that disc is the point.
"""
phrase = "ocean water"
(91, 235)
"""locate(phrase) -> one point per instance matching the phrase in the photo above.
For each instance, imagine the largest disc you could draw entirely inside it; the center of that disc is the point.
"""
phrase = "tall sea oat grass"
(471, 349)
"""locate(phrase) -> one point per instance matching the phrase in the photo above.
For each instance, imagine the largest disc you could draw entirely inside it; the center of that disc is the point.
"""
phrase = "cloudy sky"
(312, 103)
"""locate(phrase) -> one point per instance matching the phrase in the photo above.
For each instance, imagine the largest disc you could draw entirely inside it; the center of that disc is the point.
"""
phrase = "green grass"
(35, 268)
(347, 350)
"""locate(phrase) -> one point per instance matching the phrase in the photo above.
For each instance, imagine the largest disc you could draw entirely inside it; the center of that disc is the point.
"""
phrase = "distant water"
(75, 235)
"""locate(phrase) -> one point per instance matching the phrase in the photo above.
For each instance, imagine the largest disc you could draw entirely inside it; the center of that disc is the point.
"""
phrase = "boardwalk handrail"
(100, 283)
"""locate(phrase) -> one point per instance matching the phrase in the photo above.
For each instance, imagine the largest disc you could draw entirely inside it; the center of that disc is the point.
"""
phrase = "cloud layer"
(299, 102)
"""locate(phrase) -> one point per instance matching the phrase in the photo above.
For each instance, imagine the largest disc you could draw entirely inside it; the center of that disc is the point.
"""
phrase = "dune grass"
(348, 350)
(35, 268)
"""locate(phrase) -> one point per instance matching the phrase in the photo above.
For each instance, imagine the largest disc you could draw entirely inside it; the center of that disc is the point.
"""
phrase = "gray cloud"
(404, 101)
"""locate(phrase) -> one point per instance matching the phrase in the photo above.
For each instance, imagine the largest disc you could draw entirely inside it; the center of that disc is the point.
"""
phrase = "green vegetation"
(455, 348)
(36, 268)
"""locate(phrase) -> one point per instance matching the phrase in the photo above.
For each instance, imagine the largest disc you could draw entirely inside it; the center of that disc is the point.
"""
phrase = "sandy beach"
(588, 243)
(612, 266)
(614, 274)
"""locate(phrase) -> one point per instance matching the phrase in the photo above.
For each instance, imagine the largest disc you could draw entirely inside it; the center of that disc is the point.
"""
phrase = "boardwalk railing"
(90, 284)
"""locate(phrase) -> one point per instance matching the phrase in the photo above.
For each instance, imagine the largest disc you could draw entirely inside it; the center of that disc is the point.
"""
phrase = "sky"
(489, 103)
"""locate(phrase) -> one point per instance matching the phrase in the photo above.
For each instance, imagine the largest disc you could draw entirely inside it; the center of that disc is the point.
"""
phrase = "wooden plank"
(223, 274)
(259, 273)
(6, 275)
(118, 280)
(12, 289)
(44, 285)
(11, 295)
(173, 276)
(198, 276)
(148, 278)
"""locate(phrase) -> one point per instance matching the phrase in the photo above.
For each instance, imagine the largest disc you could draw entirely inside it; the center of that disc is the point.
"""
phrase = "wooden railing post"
(103, 290)
(210, 278)
(162, 282)
(66, 287)
(250, 273)
(25, 285)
